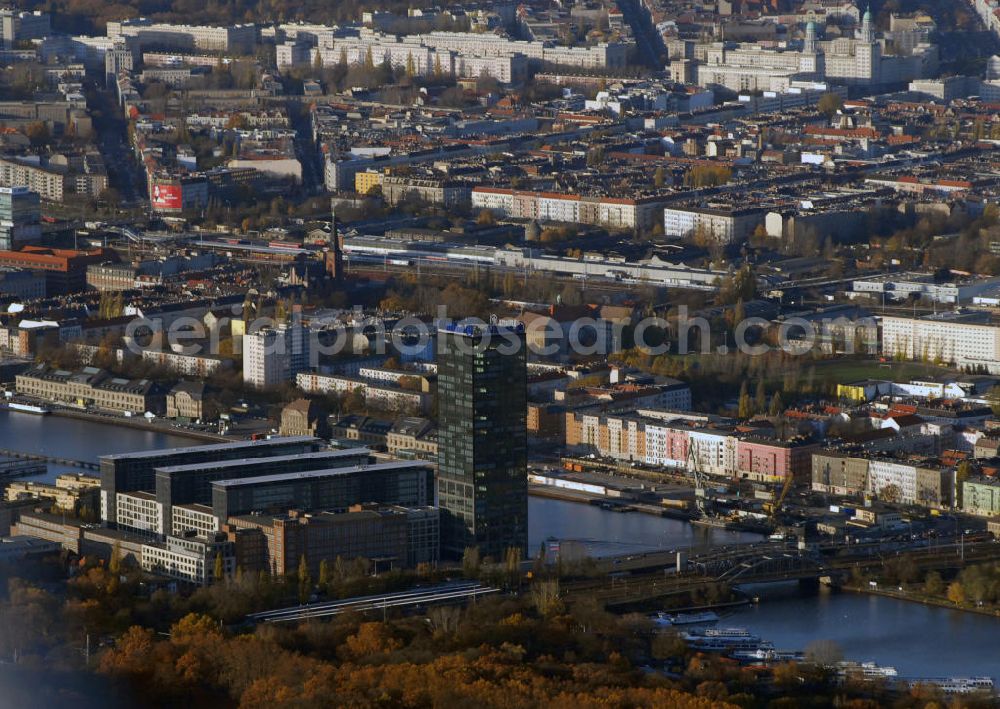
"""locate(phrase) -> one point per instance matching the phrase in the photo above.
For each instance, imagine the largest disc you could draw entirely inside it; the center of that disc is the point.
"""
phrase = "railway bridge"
(647, 578)
(752, 565)
(41, 458)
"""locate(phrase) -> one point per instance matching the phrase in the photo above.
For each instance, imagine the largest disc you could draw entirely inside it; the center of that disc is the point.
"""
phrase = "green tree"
(219, 572)
(659, 177)
(741, 285)
(115, 565)
(962, 472)
(744, 405)
(708, 176)
(933, 584)
(471, 562)
(776, 405)
(512, 563)
(509, 284)
(324, 575)
(956, 594)
(546, 597)
(739, 315)
(829, 104)
(305, 580)
(38, 133)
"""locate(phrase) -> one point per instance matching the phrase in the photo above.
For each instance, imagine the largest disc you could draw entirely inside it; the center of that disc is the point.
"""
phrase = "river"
(918, 640)
(605, 533)
(76, 439)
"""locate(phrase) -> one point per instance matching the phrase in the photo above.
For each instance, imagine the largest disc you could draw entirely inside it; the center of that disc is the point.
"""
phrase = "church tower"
(334, 256)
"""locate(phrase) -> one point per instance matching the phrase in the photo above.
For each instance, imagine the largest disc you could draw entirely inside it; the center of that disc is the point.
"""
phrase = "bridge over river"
(639, 579)
(42, 459)
(15, 468)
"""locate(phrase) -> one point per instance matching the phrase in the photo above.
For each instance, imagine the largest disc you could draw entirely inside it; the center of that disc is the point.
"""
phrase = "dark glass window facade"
(482, 442)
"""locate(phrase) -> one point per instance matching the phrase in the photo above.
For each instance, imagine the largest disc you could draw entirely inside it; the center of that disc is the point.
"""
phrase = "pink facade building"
(772, 461)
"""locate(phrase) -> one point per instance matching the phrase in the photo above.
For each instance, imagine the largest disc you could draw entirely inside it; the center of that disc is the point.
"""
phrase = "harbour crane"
(694, 467)
(785, 489)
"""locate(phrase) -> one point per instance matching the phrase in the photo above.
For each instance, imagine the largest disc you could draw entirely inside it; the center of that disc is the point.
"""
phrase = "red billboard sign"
(166, 196)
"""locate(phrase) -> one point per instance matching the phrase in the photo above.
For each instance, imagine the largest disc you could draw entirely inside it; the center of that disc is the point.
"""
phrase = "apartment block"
(189, 365)
(48, 184)
(71, 492)
(237, 39)
(769, 461)
(275, 355)
(724, 225)
(388, 396)
(613, 212)
(981, 496)
(911, 482)
(958, 338)
(448, 193)
(838, 473)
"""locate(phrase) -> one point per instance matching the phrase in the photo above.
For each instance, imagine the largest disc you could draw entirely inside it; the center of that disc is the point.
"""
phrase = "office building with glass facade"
(482, 439)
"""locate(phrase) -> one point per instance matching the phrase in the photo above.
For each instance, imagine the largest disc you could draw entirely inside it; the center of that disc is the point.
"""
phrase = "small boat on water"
(28, 408)
(762, 654)
(958, 685)
(726, 633)
(728, 645)
(725, 640)
(686, 618)
(868, 670)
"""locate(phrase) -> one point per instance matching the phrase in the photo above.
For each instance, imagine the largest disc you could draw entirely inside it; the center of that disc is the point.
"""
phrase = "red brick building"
(65, 269)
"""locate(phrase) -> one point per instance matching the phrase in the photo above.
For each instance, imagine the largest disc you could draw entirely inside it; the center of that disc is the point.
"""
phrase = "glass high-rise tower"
(20, 217)
(482, 439)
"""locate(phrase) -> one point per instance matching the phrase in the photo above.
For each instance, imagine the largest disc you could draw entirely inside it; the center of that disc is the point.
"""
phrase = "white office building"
(190, 559)
(139, 512)
(193, 518)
